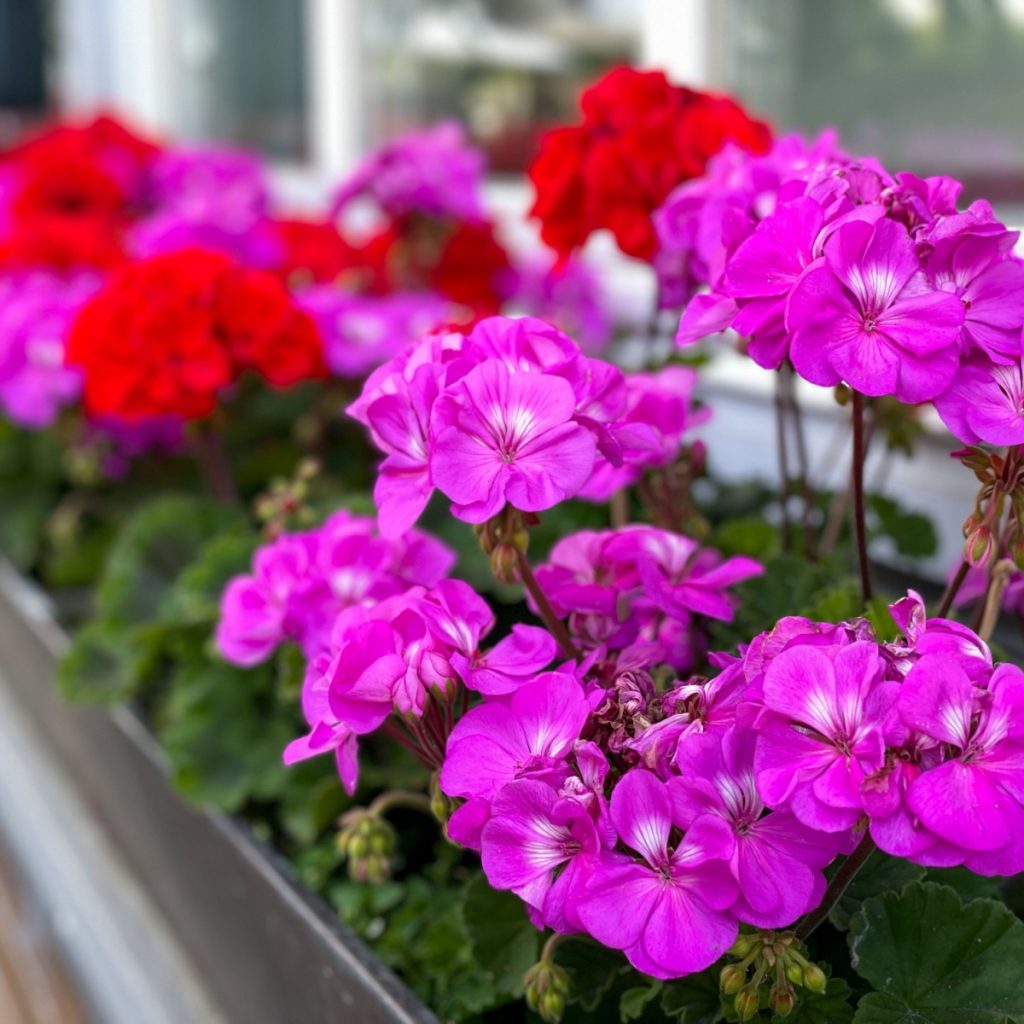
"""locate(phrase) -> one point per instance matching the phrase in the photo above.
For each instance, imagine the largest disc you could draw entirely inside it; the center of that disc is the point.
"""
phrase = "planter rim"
(263, 946)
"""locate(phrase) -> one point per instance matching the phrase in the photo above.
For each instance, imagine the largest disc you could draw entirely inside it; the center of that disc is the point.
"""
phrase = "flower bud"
(368, 843)
(1016, 551)
(547, 988)
(782, 1001)
(748, 1002)
(843, 394)
(979, 547)
(744, 945)
(505, 562)
(814, 978)
(794, 972)
(732, 979)
(441, 805)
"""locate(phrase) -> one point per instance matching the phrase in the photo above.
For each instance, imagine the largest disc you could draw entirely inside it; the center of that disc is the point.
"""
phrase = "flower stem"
(953, 589)
(400, 798)
(547, 613)
(860, 526)
(783, 453)
(840, 881)
(802, 462)
(1001, 573)
(212, 459)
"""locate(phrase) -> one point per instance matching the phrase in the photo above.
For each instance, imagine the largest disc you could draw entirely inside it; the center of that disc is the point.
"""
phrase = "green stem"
(860, 525)
(953, 589)
(547, 613)
(842, 878)
(400, 798)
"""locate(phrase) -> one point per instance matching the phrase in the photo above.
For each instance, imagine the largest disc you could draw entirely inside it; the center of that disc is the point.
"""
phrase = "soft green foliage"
(933, 959)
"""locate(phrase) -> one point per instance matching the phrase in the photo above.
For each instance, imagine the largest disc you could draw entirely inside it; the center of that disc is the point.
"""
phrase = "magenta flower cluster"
(435, 172)
(641, 585)
(36, 311)
(657, 821)
(213, 197)
(301, 582)
(513, 413)
(360, 332)
(855, 275)
(409, 656)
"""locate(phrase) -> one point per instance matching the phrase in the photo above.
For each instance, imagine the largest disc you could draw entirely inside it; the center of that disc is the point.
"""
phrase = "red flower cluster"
(641, 136)
(73, 188)
(166, 335)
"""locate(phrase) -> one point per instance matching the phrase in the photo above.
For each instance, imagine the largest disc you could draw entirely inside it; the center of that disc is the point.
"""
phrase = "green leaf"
(21, 524)
(968, 885)
(881, 619)
(935, 960)
(504, 942)
(880, 874)
(694, 999)
(911, 533)
(224, 733)
(99, 666)
(195, 596)
(592, 969)
(634, 1001)
(749, 535)
(153, 548)
(829, 1007)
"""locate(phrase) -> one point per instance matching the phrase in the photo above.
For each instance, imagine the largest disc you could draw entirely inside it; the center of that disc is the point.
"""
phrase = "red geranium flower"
(165, 336)
(473, 269)
(641, 136)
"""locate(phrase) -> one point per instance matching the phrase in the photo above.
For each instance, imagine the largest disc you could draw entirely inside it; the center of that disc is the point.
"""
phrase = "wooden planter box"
(163, 911)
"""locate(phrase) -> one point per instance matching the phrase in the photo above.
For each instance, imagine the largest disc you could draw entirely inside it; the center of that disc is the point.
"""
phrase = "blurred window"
(509, 69)
(22, 65)
(932, 86)
(238, 68)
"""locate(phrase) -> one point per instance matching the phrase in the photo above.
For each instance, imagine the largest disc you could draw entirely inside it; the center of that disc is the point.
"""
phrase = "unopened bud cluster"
(285, 504)
(503, 538)
(1002, 483)
(547, 988)
(367, 841)
(769, 960)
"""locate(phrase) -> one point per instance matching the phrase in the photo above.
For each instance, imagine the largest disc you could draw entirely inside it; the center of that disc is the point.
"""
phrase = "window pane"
(928, 85)
(508, 68)
(238, 66)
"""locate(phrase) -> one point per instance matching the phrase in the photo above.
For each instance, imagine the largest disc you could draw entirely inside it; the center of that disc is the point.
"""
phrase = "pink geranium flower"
(864, 313)
(542, 846)
(669, 910)
(822, 734)
(777, 861)
(972, 800)
(985, 402)
(508, 437)
(531, 734)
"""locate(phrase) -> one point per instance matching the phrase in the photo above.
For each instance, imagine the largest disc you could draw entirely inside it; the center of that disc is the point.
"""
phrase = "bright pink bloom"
(974, 799)
(777, 861)
(435, 172)
(516, 659)
(822, 734)
(978, 266)
(361, 332)
(285, 598)
(865, 314)
(541, 846)
(985, 402)
(508, 437)
(327, 732)
(301, 582)
(529, 735)
(669, 911)
(36, 311)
